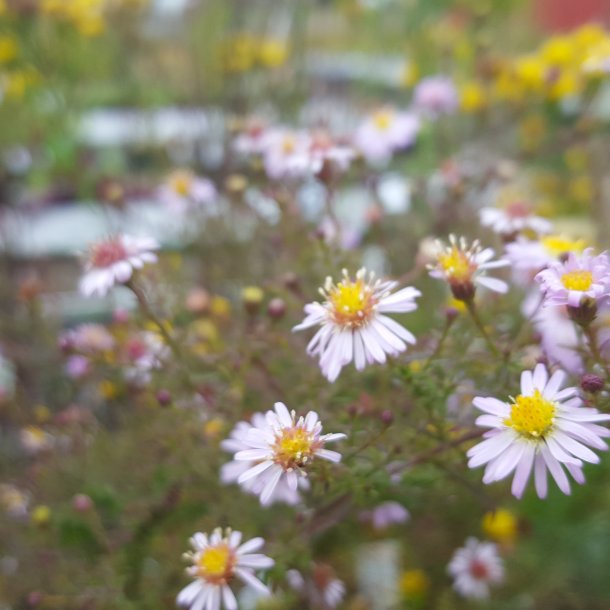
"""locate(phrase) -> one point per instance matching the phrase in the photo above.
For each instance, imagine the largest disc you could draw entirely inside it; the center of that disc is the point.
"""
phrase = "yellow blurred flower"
(41, 515)
(108, 389)
(472, 97)
(576, 158)
(42, 413)
(500, 525)
(9, 48)
(220, 307)
(559, 244)
(213, 428)
(558, 51)
(414, 584)
(567, 83)
(272, 53)
(410, 75)
(580, 188)
(415, 366)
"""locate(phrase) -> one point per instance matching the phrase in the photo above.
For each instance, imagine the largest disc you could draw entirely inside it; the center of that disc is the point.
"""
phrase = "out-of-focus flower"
(198, 301)
(353, 322)
(475, 567)
(82, 503)
(217, 560)
(252, 138)
(579, 277)
(322, 589)
(283, 153)
(41, 515)
(513, 215)
(14, 501)
(35, 440)
(143, 352)
(543, 428)
(89, 339)
(435, 96)
(184, 191)
(77, 366)
(323, 156)
(230, 472)
(528, 256)
(383, 516)
(114, 260)
(385, 132)
(282, 448)
(414, 584)
(9, 49)
(473, 97)
(463, 267)
(252, 297)
(500, 525)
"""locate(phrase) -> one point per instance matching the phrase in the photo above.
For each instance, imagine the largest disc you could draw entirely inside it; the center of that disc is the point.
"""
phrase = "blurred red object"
(562, 15)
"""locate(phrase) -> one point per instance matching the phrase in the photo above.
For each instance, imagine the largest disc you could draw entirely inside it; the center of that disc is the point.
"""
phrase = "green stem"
(594, 348)
(474, 314)
(439, 346)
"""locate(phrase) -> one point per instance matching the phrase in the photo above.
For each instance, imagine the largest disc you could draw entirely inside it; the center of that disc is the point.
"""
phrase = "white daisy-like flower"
(114, 260)
(183, 190)
(385, 132)
(280, 449)
(463, 267)
(543, 428)
(353, 322)
(578, 277)
(475, 567)
(231, 471)
(283, 152)
(217, 560)
(514, 217)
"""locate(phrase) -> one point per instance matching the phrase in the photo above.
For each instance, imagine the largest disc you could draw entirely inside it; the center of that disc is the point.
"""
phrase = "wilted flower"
(463, 267)
(217, 560)
(385, 132)
(353, 324)
(475, 567)
(579, 277)
(543, 428)
(435, 96)
(114, 260)
(282, 448)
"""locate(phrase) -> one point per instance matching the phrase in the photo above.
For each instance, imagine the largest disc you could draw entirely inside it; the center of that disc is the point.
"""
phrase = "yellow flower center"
(215, 563)
(294, 447)
(531, 416)
(456, 264)
(352, 302)
(288, 145)
(382, 119)
(577, 280)
(181, 183)
(556, 245)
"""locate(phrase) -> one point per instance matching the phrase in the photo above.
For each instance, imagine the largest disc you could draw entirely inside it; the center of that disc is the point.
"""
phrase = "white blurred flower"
(475, 567)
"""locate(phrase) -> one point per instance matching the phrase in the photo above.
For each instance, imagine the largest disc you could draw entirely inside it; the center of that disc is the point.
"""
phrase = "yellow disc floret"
(456, 264)
(383, 119)
(294, 447)
(577, 280)
(215, 563)
(182, 182)
(352, 302)
(531, 416)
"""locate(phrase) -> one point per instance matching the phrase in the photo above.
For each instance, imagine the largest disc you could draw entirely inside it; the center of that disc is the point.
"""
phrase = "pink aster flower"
(464, 267)
(475, 567)
(543, 428)
(281, 448)
(231, 471)
(183, 190)
(435, 96)
(584, 276)
(353, 322)
(385, 132)
(88, 338)
(514, 217)
(217, 561)
(114, 260)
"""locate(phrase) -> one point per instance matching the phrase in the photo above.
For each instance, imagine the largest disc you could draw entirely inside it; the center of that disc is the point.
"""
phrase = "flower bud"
(590, 382)
(252, 298)
(164, 398)
(276, 308)
(82, 503)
